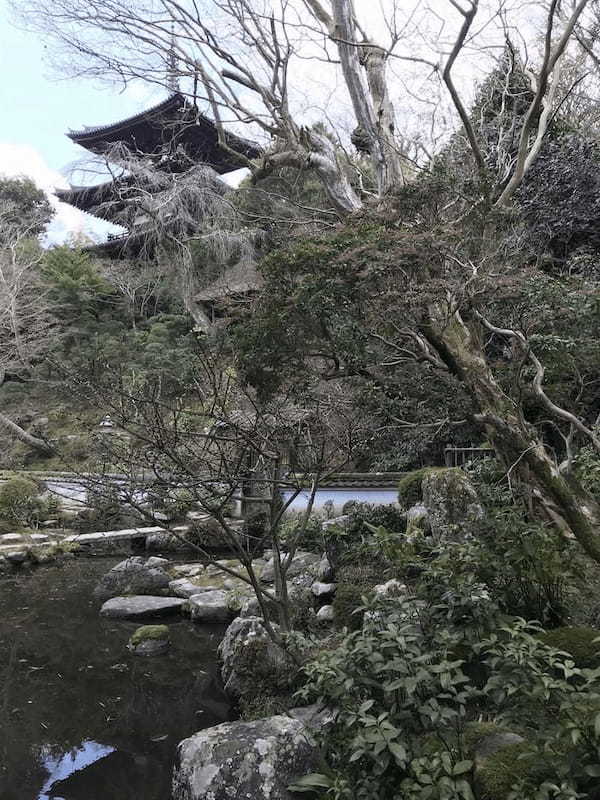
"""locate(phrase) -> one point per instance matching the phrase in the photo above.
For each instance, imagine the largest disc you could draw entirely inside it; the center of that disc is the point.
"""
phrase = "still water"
(80, 717)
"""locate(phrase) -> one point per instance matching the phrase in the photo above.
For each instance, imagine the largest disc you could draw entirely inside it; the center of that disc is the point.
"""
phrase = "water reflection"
(61, 768)
(80, 717)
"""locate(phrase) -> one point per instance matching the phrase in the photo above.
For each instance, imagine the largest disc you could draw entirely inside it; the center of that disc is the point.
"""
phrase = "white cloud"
(23, 160)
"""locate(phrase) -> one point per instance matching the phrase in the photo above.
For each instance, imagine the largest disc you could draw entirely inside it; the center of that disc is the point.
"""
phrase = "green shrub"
(19, 501)
(348, 597)
(409, 488)
(579, 642)
(388, 516)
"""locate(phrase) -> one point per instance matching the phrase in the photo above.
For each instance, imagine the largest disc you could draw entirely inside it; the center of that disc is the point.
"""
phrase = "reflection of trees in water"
(56, 652)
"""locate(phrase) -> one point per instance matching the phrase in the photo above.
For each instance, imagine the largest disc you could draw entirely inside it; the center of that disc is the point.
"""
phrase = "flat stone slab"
(141, 607)
(112, 536)
(11, 538)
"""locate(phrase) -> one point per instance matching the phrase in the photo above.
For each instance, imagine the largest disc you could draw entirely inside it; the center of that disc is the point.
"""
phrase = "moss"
(348, 598)
(476, 731)
(409, 489)
(510, 765)
(149, 632)
(578, 642)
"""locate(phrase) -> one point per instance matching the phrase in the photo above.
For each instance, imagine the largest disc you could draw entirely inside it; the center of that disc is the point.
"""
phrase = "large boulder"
(133, 576)
(242, 760)
(453, 508)
(210, 607)
(248, 654)
(141, 607)
(301, 563)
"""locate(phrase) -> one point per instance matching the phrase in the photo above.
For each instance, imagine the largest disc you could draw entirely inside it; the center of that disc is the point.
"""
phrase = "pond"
(80, 717)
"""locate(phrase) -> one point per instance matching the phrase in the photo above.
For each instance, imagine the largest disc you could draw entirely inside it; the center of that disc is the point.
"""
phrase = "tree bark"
(515, 442)
(27, 438)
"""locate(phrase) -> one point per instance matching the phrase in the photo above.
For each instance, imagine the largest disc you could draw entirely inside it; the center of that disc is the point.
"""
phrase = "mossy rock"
(497, 775)
(410, 491)
(149, 632)
(476, 732)
(578, 642)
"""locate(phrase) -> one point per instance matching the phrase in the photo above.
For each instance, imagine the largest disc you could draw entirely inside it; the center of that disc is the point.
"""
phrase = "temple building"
(173, 135)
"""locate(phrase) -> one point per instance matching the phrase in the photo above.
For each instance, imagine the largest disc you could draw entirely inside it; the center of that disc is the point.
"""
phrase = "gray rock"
(16, 557)
(187, 570)
(244, 761)
(39, 538)
(313, 717)
(247, 649)
(491, 744)
(183, 587)
(486, 747)
(210, 607)
(11, 538)
(336, 522)
(452, 504)
(141, 607)
(392, 588)
(325, 571)
(417, 520)
(323, 589)
(132, 576)
(326, 614)
(302, 562)
(156, 561)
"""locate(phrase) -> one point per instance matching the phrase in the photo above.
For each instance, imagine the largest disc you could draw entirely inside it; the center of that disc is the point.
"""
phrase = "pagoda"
(173, 135)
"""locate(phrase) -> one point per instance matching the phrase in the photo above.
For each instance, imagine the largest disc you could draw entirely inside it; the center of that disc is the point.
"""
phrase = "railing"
(459, 456)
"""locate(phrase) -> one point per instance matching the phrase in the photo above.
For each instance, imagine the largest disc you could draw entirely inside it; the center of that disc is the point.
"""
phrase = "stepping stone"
(141, 607)
(210, 607)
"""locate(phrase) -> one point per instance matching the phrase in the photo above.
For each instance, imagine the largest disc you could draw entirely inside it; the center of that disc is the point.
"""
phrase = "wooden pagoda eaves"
(171, 127)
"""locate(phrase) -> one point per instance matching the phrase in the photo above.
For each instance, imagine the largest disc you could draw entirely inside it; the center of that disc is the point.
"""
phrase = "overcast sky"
(36, 111)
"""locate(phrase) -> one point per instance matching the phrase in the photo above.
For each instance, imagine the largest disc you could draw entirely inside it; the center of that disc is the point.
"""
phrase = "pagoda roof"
(102, 200)
(175, 125)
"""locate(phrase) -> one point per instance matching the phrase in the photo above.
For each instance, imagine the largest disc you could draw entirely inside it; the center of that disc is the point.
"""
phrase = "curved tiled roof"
(174, 125)
(172, 103)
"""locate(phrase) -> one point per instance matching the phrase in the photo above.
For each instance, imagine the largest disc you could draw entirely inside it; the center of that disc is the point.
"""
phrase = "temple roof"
(173, 127)
(103, 200)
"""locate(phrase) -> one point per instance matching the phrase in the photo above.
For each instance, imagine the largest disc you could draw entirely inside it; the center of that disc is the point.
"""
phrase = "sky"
(37, 108)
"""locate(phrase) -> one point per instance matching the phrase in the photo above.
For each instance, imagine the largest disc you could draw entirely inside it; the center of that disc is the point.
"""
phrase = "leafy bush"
(401, 704)
(19, 503)
(105, 513)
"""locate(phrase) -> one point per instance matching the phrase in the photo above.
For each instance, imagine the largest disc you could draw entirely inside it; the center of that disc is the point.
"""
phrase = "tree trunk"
(515, 442)
(32, 441)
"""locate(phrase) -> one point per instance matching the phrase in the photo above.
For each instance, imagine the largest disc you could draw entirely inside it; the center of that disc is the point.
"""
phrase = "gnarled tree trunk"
(27, 438)
(515, 442)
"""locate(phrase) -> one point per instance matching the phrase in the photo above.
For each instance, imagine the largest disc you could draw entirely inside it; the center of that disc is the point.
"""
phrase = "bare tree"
(26, 321)
(218, 445)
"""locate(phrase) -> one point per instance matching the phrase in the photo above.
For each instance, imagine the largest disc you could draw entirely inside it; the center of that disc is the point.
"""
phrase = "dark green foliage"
(582, 643)
(105, 513)
(560, 202)
(347, 601)
(389, 516)
(26, 208)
